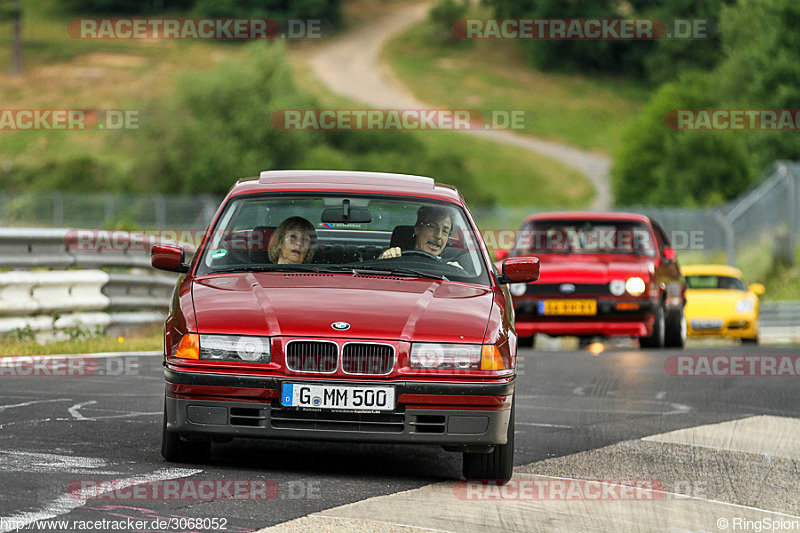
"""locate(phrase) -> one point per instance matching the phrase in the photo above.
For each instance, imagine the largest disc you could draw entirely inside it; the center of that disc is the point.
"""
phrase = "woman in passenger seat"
(293, 242)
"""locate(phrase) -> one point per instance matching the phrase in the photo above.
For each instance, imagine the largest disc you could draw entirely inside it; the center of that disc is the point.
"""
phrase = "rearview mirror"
(670, 254)
(346, 214)
(169, 258)
(757, 288)
(519, 270)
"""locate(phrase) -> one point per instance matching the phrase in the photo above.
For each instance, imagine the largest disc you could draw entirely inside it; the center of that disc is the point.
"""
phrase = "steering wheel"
(422, 254)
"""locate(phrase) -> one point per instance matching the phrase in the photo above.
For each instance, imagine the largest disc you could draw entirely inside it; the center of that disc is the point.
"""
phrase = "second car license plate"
(706, 324)
(568, 307)
(338, 397)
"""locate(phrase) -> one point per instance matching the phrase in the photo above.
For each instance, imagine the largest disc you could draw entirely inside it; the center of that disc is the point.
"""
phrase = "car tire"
(176, 450)
(750, 341)
(584, 342)
(675, 332)
(496, 466)
(656, 339)
(526, 342)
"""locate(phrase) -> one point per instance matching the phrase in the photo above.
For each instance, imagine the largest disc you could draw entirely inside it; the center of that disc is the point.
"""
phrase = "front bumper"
(744, 326)
(608, 321)
(454, 414)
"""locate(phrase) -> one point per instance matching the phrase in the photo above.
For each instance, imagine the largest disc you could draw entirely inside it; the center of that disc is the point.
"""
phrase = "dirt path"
(350, 65)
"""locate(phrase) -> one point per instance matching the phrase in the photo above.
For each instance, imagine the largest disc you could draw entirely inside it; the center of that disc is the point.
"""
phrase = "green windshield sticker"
(217, 254)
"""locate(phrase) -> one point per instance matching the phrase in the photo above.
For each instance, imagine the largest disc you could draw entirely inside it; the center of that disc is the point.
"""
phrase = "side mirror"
(169, 258)
(670, 255)
(519, 270)
(500, 254)
(757, 288)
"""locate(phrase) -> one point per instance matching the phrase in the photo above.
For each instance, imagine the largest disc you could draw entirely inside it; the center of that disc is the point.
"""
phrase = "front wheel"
(656, 339)
(498, 465)
(675, 334)
(527, 342)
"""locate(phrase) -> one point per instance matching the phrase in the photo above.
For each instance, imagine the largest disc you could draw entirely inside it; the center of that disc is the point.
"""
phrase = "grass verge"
(140, 343)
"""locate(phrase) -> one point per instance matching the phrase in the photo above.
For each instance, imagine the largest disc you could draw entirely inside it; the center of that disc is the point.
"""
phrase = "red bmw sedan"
(343, 306)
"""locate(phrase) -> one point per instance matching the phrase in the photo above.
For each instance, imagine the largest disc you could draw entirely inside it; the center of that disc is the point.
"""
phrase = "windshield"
(585, 236)
(328, 233)
(714, 282)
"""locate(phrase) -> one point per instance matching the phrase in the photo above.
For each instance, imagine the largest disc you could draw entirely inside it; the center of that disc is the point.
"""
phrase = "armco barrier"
(74, 291)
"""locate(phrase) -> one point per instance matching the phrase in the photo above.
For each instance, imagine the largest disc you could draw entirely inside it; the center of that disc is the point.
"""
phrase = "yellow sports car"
(719, 304)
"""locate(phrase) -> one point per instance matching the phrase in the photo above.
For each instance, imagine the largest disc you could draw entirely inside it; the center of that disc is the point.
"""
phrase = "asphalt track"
(611, 417)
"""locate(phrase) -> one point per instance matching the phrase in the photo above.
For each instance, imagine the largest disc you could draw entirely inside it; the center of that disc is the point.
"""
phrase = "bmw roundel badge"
(567, 288)
(340, 326)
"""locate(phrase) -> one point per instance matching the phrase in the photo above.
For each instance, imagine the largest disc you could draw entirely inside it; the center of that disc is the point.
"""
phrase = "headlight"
(518, 289)
(635, 286)
(446, 356)
(234, 348)
(617, 287)
(457, 357)
(745, 305)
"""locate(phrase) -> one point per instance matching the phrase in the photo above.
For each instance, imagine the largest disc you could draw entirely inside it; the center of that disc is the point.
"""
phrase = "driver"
(293, 242)
(431, 233)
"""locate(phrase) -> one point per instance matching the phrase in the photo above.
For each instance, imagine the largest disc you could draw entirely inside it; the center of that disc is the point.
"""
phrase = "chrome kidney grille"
(312, 356)
(364, 358)
(323, 357)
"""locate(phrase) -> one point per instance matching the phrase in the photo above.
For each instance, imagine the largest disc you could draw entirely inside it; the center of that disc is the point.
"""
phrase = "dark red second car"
(603, 275)
(343, 306)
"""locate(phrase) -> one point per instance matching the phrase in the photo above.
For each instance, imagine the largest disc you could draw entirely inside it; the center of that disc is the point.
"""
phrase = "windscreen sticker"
(218, 254)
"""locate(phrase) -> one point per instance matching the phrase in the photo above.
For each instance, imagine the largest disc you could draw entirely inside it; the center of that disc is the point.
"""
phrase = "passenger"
(293, 242)
(431, 232)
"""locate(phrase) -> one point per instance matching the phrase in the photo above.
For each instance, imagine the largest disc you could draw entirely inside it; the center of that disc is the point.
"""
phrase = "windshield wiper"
(274, 268)
(394, 271)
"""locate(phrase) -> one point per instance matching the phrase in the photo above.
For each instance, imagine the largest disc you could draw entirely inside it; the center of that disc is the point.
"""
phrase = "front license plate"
(568, 307)
(338, 397)
(706, 324)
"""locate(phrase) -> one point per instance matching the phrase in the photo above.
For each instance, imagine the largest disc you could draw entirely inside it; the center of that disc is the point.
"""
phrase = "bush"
(659, 166)
(654, 61)
(444, 15)
(217, 127)
(121, 7)
(75, 173)
(278, 9)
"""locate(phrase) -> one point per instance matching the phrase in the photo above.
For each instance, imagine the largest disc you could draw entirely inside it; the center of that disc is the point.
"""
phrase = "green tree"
(660, 166)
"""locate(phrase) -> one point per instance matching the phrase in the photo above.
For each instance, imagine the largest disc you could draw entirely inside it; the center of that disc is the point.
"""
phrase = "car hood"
(572, 269)
(376, 307)
(712, 301)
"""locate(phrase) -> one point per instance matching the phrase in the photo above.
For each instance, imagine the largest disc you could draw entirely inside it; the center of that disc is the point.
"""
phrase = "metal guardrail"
(71, 290)
(780, 314)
